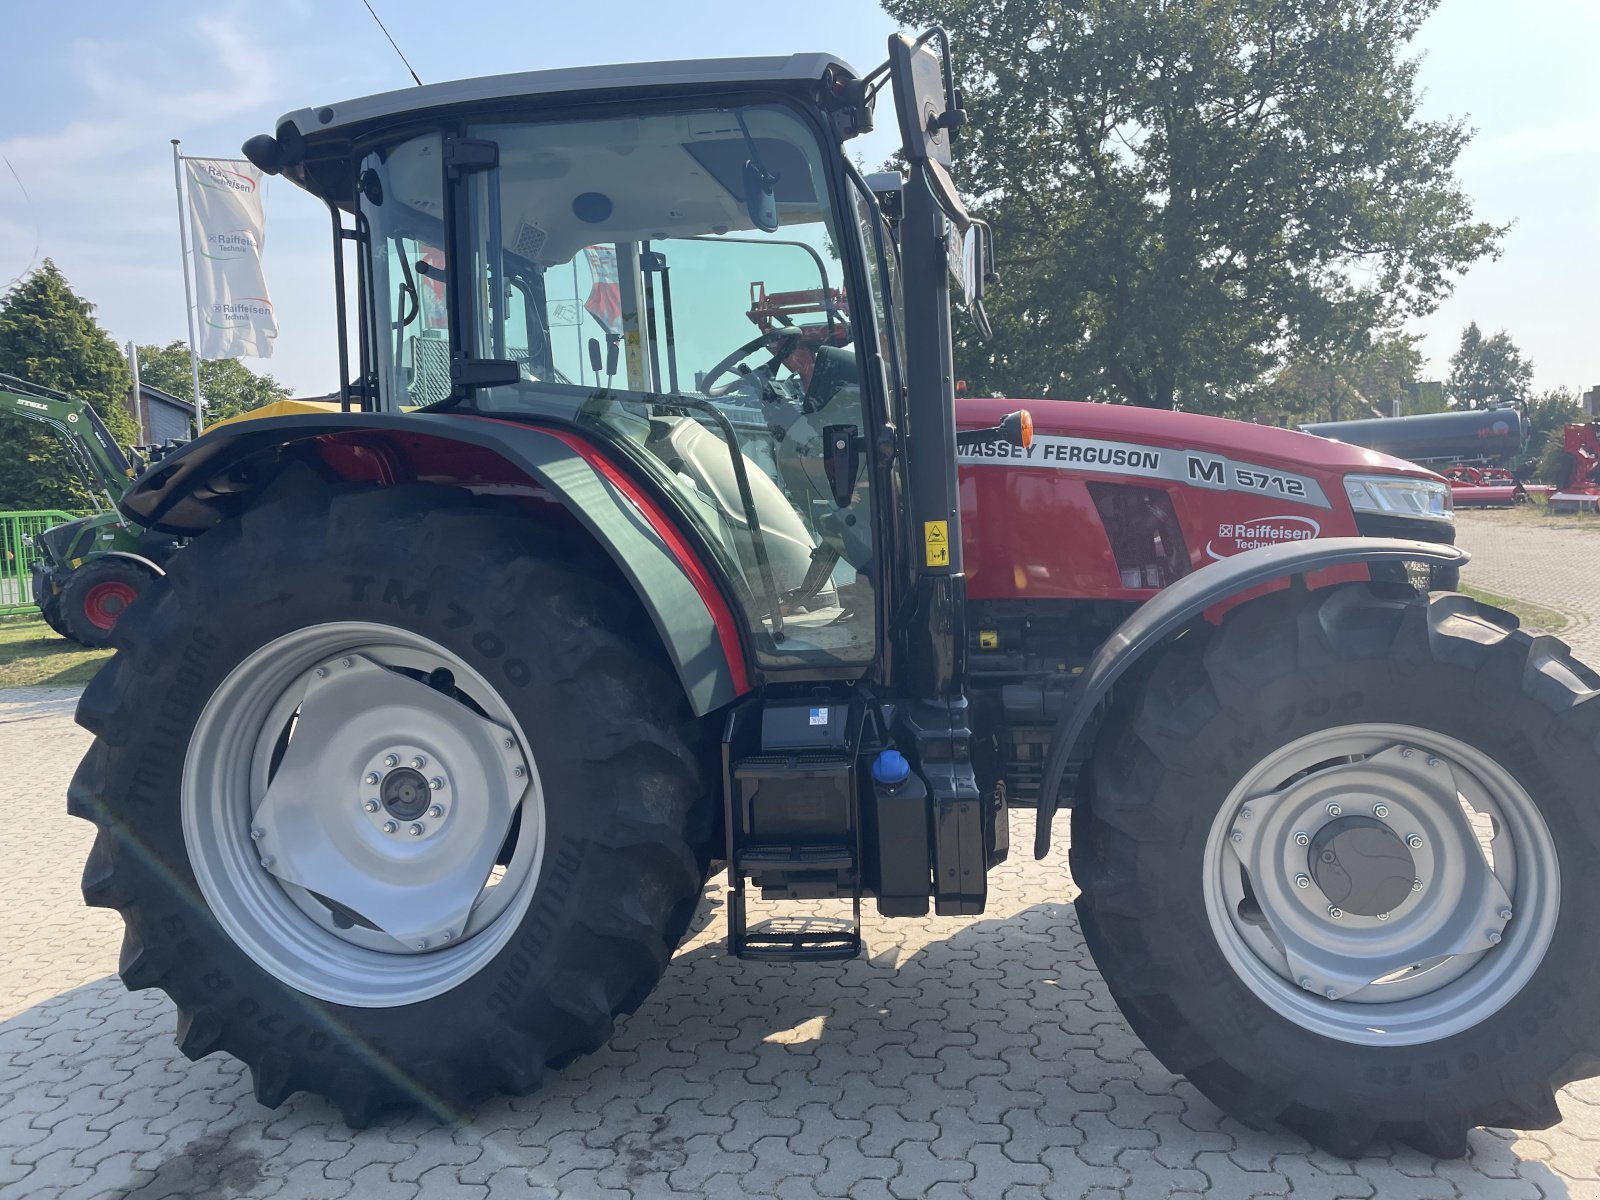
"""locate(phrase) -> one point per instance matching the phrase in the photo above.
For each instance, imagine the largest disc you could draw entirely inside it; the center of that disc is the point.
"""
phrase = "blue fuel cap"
(891, 767)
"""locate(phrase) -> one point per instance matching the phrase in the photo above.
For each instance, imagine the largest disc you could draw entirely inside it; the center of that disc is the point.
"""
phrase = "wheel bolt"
(347, 662)
(391, 760)
(1306, 983)
(371, 806)
(1236, 836)
(445, 936)
(1336, 912)
(1416, 885)
(267, 860)
(1331, 994)
(510, 743)
(418, 763)
(1383, 916)
(1301, 839)
(1494, 937)
(421, 943)
(1433, 762)
(1302, 881)
(436, 783)
(436, 812)
(1414, 841)
(1244, 813)
(519, 772)
(371, 778)
(257, 833)
(1380, 811)
(1334, 810)
(322, 672)
(390, 827)
(1504, 914)
(415, 829)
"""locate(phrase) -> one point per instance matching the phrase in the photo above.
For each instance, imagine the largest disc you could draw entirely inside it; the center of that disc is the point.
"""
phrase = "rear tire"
(94, 597)
(1178, 853)
(539, 649)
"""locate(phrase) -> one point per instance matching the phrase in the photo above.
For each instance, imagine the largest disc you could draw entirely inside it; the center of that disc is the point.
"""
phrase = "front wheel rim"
(1397, 962)
(418, 856)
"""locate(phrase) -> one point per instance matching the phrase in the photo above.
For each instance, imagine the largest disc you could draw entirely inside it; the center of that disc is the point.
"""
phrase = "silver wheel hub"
(1375, 866)
(361, 814)
(413, 877)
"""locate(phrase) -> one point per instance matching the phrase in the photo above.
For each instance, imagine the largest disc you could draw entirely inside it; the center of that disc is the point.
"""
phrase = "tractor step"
(803, 939)
(793, 827)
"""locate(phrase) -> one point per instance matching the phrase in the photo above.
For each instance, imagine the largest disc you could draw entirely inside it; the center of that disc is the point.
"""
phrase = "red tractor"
(408, 776)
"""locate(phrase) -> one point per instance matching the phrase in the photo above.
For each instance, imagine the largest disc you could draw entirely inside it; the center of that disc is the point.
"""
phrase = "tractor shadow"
(987, 1053)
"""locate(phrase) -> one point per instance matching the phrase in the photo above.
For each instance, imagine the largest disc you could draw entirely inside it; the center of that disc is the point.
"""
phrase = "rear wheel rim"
(359, 896)
(1461, 941)
(104, 602)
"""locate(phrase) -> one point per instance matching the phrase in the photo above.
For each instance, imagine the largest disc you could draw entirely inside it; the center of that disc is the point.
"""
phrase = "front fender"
(217, 475)
(1174, 607)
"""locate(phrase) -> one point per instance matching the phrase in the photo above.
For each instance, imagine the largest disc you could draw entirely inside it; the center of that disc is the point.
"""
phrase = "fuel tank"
(1113, 502)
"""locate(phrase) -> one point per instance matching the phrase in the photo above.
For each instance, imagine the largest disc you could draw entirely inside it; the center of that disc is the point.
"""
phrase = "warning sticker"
(936, 541)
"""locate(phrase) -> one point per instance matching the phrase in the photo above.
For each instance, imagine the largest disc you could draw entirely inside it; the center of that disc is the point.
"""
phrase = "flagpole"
(188, 288)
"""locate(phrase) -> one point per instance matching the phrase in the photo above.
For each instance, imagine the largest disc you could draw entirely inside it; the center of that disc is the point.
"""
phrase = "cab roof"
(312, 146)
(354, 116)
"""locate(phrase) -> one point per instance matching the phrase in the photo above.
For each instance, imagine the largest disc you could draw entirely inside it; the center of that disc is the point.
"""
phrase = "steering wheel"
(786, 339)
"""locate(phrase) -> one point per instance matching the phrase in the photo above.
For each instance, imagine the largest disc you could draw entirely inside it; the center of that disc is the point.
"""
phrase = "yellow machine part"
(280, 408)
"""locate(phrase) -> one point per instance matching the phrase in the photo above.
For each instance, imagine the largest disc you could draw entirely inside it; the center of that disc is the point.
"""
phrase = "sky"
(91, 108)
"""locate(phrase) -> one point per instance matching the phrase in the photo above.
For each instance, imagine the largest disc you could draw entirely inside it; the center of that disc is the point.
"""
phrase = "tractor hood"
(1265, 444)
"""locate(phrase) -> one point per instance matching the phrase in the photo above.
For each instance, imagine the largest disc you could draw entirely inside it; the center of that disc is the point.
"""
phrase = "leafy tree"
(1183, 193)
(49, 336)
(1485, 372)
(1548, 415)
(1363, 380)
(228, 386)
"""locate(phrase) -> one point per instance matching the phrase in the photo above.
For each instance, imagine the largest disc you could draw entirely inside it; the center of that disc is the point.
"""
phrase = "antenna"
(393, 43)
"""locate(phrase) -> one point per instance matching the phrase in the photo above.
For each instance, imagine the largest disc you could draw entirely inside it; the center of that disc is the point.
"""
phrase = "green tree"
(1548, 415)
(49, 336)
(1356, 381)
(1487, 371)
(1185, 193)
(229, 386)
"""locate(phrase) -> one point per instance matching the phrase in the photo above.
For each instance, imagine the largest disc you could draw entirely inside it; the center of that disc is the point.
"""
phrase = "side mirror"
(978, 273)
(930, 114)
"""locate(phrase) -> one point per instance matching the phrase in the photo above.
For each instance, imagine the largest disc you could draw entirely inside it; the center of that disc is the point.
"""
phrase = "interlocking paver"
(964, 1057)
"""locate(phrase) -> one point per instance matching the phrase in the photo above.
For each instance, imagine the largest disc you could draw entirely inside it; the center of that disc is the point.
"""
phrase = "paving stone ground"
(971, 1057)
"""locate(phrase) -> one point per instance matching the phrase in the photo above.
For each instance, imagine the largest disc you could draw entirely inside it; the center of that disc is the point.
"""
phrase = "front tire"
(393, 804)
(1336, 861)
(94, 597)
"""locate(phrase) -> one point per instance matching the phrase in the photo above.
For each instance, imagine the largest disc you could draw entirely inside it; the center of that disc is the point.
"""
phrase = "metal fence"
(18, 534)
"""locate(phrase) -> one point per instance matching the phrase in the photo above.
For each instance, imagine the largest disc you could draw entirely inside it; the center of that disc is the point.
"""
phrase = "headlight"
(1400, 496)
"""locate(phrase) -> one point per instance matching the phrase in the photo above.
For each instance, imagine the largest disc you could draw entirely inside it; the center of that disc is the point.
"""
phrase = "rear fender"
(1175, 607)
(221, 474)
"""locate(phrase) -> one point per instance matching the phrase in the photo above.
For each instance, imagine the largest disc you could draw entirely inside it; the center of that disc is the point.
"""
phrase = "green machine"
(89, 570)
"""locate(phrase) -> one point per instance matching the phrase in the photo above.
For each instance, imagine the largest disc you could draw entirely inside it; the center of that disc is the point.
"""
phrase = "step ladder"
(793, 828)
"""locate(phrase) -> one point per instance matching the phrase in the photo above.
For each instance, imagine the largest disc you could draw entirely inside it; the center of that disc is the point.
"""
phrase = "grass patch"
(1536, 512)
(1535, 617)
(34, 655)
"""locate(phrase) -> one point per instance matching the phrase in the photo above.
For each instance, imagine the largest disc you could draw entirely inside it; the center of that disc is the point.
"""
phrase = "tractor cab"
(684, 271)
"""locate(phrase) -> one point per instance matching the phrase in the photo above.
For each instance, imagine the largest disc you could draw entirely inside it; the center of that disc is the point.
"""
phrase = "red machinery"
(1474, 486)
(1580, 490)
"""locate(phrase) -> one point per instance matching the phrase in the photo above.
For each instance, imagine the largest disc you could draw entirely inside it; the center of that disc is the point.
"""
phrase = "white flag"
(228, 226)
